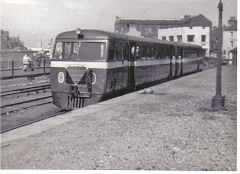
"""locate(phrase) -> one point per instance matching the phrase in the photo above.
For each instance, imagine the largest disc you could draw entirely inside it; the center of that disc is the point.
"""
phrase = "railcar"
(87, 66)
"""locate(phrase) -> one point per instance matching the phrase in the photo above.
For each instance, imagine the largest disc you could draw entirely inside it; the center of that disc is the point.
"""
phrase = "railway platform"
(172, 128)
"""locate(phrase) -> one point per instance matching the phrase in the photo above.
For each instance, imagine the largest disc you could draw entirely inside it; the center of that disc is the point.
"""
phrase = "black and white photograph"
(118, 86)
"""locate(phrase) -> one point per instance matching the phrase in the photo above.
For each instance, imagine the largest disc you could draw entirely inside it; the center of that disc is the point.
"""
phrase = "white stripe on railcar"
(151, 62)
(190, 59)
(95, 65)
(109, 65)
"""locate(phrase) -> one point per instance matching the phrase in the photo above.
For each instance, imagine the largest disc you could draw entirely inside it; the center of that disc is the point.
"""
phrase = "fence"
(14, 65)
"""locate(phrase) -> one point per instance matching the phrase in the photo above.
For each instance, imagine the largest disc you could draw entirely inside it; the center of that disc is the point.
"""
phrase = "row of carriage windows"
(80, 50)
(118, 50)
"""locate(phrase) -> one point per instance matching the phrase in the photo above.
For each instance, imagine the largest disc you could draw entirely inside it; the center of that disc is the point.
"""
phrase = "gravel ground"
(172, 128)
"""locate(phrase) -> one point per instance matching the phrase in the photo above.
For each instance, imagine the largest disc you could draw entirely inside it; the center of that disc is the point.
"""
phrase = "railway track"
(18, 101)
(13, 100)
(10, 127)
(10, 92)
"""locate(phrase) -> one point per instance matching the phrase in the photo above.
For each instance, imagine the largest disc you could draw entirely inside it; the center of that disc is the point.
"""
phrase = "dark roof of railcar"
(89, 34)
(141, 39)
(98, 34)
(188, 45)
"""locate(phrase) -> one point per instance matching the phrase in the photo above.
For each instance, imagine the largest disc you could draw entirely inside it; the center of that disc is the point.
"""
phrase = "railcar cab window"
(118, 50)
(80, 50)
(91, 50)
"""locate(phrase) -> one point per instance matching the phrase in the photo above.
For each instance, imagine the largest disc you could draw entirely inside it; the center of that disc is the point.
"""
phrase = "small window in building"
(179, 38)
(171, 38)
(203, 38)
(203, 27)
(164, 38)
(190, 38)
(231, 33)
(232, 44)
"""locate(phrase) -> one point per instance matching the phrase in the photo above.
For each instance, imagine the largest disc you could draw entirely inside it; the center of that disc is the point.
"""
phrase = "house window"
(232, 44)
(171, 38)
(203, 38)
(231, 33)
(190, 38)
(179, 38)
(164, 38)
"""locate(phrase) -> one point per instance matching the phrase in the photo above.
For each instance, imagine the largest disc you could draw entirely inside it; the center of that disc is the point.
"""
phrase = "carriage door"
(181, 57)
(177, 67)
(131, 67)
(170, 54)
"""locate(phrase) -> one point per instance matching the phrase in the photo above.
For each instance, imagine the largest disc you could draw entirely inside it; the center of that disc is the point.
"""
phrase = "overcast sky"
(34, 20)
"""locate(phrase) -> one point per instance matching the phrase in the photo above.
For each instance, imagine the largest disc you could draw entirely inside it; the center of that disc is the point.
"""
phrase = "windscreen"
(80, 50)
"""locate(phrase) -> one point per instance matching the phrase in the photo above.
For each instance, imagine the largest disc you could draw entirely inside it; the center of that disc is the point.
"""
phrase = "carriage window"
(118, 51)
(148, 52)
(153, 52)
(138, 52)
(163, 52)
(66, 50)
(79, 51)
(91, 50)
(58, 50)
(111, 50)
(190, 53)
(133, 51)
(126, 51)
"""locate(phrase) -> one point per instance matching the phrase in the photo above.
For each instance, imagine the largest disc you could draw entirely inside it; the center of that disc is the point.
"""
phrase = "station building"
(189, 29)
(230, 39)
(10, 43)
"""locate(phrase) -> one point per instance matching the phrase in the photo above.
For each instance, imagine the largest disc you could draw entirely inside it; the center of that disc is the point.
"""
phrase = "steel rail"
(5, 108)
(23, 90)
(33, 121)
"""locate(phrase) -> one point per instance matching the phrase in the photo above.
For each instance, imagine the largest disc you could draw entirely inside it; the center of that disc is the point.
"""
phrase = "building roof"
(234, 50)
(198, 20)
(230, 28)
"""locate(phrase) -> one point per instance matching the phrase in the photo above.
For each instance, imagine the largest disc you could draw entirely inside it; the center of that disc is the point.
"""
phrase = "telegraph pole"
(218, 101)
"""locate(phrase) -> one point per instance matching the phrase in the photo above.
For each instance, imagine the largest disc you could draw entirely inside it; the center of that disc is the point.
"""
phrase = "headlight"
(94, 78)
(60, 77)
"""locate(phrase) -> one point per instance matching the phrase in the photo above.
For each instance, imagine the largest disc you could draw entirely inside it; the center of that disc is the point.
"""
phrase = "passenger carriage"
(90, 65)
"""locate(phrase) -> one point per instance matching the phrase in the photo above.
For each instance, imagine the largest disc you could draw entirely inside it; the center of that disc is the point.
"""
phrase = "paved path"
(173, 128)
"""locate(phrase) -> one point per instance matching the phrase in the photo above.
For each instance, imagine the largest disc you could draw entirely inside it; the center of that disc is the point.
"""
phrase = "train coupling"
(80, 91)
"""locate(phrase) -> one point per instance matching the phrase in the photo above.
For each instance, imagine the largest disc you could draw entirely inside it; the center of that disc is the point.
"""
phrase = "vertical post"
(218, 101)
(12, 68)
(44, 66)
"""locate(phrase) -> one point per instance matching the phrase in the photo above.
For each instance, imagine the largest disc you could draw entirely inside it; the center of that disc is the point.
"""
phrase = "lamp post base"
(218, 103)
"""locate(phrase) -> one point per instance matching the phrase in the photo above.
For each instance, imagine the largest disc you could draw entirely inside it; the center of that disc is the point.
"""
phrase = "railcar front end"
(78, 70)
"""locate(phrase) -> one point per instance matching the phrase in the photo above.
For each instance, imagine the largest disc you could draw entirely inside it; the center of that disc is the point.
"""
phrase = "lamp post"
(218, 101)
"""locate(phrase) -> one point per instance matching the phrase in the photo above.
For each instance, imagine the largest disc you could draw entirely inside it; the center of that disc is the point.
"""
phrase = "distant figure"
(37, 57)
(27, 63)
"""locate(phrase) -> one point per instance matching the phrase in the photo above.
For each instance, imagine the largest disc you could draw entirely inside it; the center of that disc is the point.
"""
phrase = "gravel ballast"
(170, 128)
